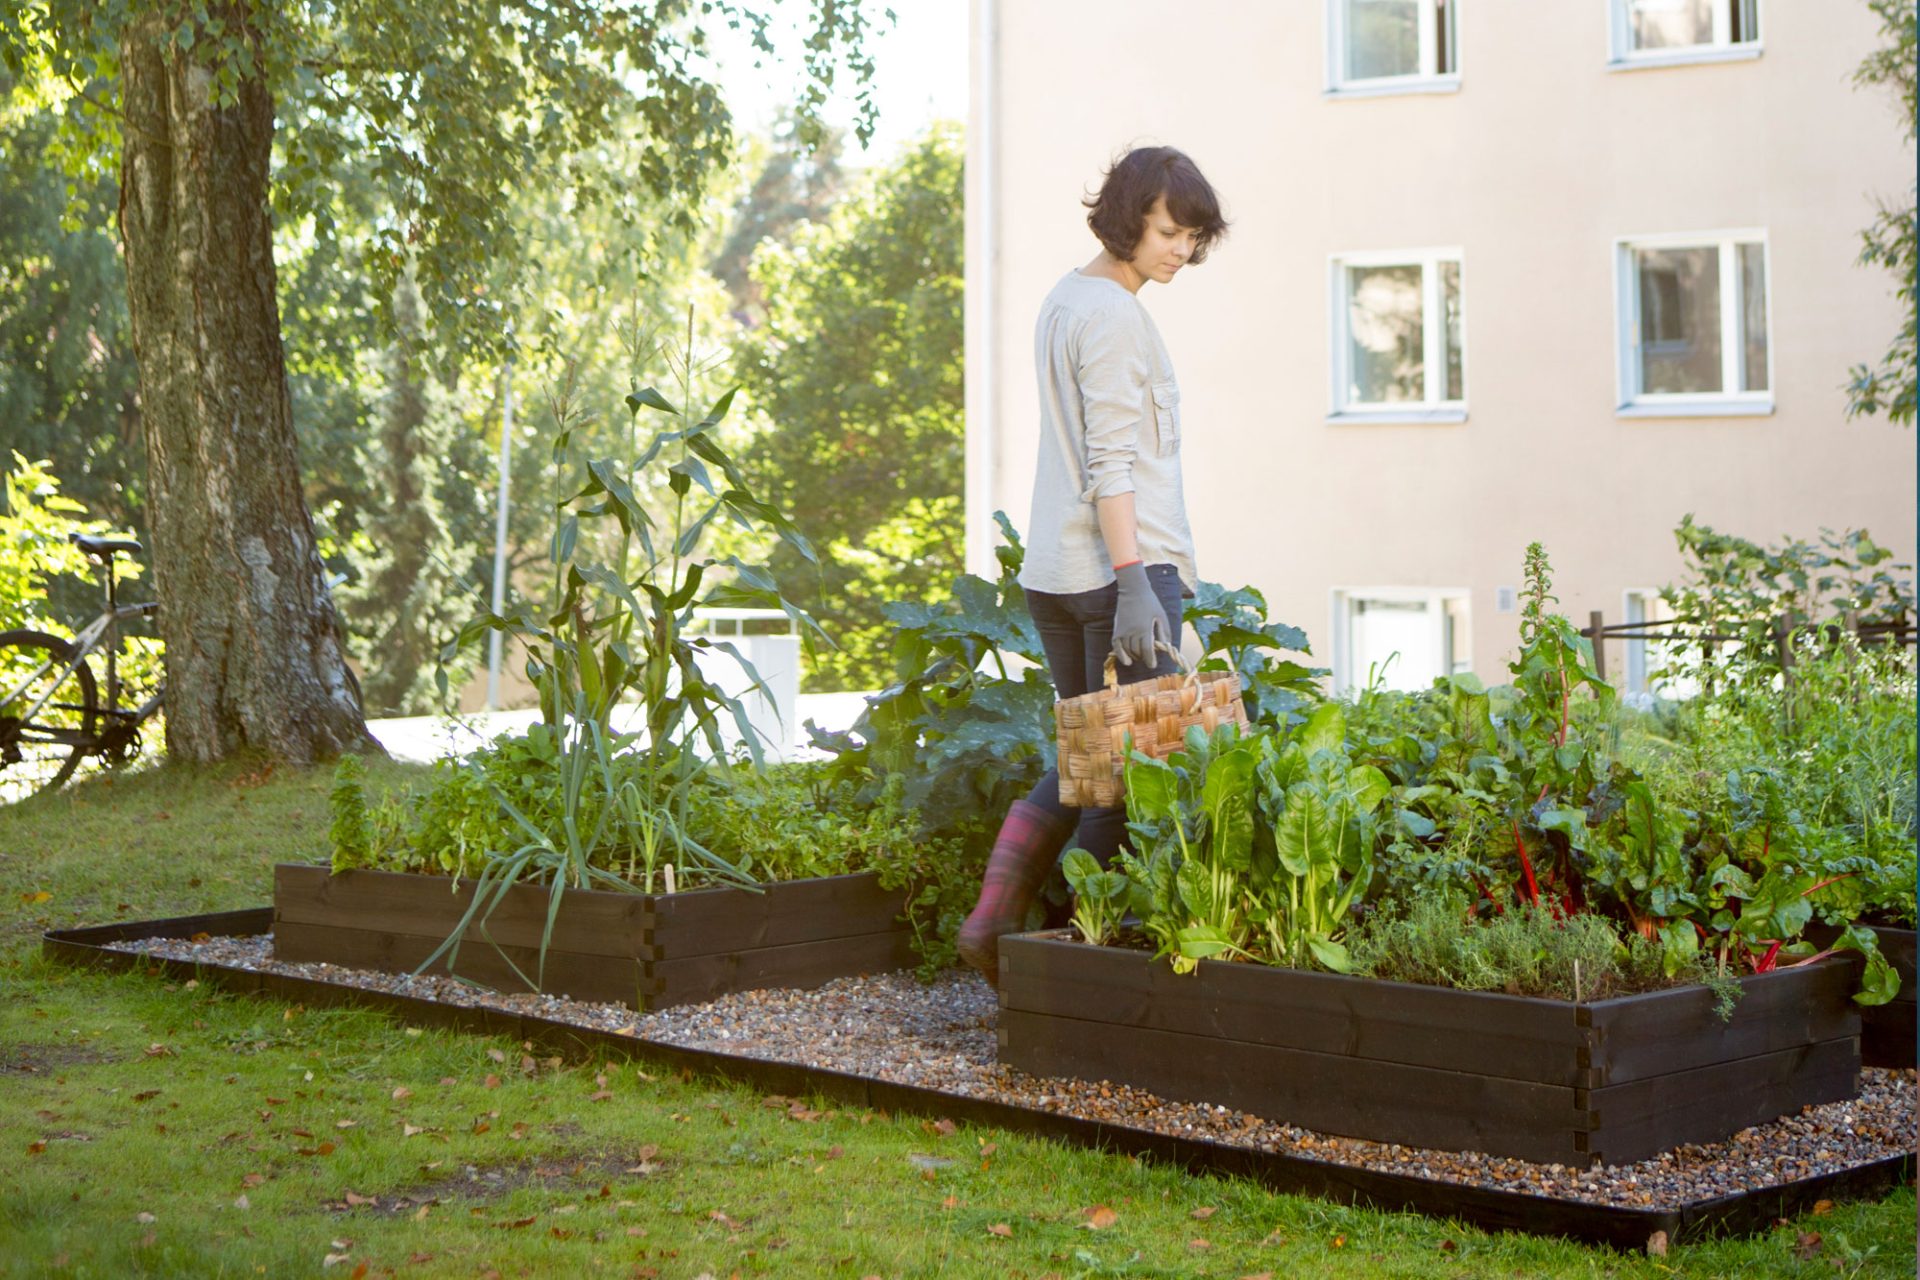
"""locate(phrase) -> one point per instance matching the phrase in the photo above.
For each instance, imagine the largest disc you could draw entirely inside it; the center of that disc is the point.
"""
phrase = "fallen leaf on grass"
(35, 1148)
(1099, 1218)
(32, 899)
(410, 1130)
(415, 1259)
(324, 1149)
(988, 1148)
(1821, 1208)
(446, 1081)
(1657, 1245)
(144, 1217)
(1807, 1245)
(519, 1131)
(1002, 1230)
(146, 1095)
(1448, 1246)
(603, 1095)
(402, 1093)
(1259, 1275)
(345, 1124)
(951, 1202)
(1199, 1244)
(355, 1199)
(253, 1179)
(835, 1151)
(242, 1203)
(335, 1259)
(943, 1128)
(158, 1051)
(723, 1220)
(491, 1082)
(516, 1224)
(1203, 1213)
(481, 1126)
(498, 1055)
(1339, 1242)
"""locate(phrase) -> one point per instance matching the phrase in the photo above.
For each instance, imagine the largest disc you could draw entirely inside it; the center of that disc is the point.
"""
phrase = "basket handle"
(1112, 668)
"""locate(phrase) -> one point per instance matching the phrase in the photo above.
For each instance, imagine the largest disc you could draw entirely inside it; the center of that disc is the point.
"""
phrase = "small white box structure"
(773, 708)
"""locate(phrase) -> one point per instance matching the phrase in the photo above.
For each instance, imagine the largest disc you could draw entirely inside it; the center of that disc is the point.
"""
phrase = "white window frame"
(1632, 402)
(1640, 657)
(1427, 80)
(1345, 679)
(1433, 357)
(1622, 56)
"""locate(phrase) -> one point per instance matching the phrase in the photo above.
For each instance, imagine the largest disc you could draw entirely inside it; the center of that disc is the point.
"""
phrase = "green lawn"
(154, 1128)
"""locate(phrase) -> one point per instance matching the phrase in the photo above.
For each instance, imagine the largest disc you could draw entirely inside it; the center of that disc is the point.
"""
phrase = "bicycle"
(51, 715)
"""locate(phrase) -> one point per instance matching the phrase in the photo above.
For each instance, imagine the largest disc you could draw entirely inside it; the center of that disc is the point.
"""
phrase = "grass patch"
(156, 1128)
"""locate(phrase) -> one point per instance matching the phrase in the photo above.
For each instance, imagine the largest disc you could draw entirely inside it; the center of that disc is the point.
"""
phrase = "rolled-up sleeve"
(1114, 371)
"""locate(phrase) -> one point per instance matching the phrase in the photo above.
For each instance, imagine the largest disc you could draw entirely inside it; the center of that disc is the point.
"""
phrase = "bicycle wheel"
(40, 749)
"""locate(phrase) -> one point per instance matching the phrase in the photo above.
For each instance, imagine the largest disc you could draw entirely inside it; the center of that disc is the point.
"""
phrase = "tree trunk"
(253, 644)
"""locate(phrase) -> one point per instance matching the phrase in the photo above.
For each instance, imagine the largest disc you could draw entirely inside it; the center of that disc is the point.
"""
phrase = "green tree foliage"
(451, 110)
(792, 184)
(1889, 386)
(857, 377)
(405, 603)
(67, 376)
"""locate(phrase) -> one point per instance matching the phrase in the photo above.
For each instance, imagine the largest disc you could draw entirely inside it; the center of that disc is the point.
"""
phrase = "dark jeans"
(1077, 633)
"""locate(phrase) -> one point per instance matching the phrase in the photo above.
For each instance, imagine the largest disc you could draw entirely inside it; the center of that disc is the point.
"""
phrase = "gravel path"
(941, 1036)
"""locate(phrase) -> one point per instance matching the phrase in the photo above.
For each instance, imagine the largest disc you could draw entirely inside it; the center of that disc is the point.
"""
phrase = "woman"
(1109, 551)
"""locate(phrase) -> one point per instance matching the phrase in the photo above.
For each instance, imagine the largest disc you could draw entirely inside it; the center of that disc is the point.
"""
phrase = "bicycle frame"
(84, 644)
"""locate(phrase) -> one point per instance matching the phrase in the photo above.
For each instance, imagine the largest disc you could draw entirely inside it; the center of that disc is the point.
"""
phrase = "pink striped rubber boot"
(1023, 853)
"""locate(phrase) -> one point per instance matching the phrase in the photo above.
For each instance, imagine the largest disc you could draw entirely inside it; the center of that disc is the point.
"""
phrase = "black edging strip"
(1744, 1213)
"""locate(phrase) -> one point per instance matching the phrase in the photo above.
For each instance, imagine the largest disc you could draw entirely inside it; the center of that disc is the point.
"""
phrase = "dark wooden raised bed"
(1887, 1030)
(647, 951)
(1609, 1082)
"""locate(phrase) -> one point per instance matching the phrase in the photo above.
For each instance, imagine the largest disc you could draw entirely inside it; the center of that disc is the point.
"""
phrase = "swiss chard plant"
(1323, 810)
(1235, 635)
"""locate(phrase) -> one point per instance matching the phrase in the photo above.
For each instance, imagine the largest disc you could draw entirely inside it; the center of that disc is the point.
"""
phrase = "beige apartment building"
(1499, 270)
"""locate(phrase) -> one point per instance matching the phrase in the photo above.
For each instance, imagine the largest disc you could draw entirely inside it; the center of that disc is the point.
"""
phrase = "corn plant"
(622, 628)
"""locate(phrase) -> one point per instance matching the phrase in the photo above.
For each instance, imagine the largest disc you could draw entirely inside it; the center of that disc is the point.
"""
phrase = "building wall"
(1534, 167)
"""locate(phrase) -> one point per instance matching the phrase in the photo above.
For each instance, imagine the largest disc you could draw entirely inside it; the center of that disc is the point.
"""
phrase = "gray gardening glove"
(1138, 619)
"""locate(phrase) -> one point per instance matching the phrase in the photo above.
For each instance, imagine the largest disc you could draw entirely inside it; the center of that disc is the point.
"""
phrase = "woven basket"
(1093, 727)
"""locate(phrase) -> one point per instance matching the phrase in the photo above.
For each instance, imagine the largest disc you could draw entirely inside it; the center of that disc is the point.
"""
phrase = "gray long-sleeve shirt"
(1109, 424)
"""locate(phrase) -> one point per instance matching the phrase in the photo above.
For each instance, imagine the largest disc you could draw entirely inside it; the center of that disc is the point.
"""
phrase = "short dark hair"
(1118, 213)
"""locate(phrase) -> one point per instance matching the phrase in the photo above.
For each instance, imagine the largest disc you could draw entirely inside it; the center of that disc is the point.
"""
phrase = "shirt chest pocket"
(1166, 416)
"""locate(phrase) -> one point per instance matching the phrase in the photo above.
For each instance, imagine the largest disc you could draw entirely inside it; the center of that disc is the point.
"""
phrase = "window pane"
(1679, 319)
(1459, 635)
(1753, 314)
(1383, 38)
(1450, 298)
(1670, 24)
(1396, 642)
(1746, 21)
(1385, 335)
